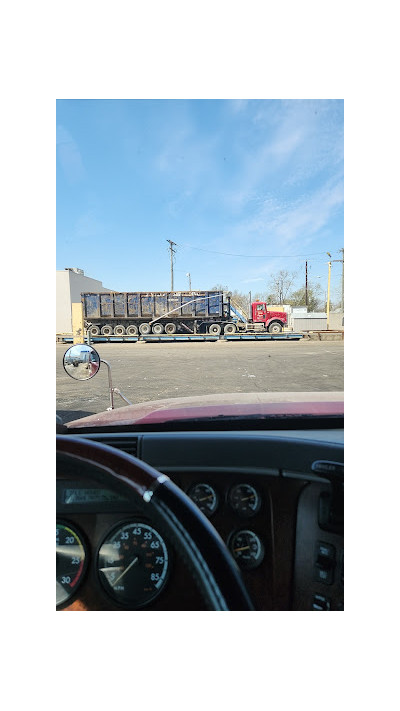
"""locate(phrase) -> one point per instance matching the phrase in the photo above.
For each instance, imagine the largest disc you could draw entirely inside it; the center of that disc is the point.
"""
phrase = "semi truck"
(170, 312)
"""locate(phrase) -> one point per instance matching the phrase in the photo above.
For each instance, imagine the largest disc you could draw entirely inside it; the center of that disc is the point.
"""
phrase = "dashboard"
(275, 498)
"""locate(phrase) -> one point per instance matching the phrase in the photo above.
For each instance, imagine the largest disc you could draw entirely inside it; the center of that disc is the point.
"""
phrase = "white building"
(70, 283)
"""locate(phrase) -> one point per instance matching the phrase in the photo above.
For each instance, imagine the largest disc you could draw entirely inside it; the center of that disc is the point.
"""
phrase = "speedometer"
(70, 561)
(133, 564)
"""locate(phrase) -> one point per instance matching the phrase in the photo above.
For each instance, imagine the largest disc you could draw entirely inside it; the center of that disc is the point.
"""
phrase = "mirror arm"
(116, 390)
(111, 389)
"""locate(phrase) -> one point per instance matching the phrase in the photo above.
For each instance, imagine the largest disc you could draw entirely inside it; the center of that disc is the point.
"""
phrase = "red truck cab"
(274, 320)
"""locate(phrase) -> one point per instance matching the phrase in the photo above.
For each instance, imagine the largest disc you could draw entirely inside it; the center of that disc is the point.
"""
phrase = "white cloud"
(275, 226)
(250, 281)
(293, 141)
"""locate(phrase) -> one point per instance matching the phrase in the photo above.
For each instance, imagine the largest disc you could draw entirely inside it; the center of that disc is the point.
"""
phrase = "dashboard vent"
(127, 444)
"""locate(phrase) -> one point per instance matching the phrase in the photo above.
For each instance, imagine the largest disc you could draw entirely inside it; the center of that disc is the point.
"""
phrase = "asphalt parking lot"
(151, 371)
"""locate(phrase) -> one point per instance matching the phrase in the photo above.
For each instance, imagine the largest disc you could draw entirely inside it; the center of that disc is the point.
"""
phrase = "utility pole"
(329, 288)
(342, 251)
(190, 281)
(171, 248)
(329, 283)
(306, 289)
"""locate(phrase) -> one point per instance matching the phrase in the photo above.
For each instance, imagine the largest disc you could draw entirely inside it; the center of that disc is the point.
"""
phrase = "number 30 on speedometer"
(70, 561)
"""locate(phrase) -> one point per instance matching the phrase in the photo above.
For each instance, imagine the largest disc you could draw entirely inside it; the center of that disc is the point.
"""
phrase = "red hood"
(210, 406)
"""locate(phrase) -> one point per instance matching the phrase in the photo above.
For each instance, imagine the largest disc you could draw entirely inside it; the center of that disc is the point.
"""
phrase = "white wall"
(69, 286)
(63, 303)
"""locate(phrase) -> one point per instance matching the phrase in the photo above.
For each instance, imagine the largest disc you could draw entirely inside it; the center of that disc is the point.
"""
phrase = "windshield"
(200, 254)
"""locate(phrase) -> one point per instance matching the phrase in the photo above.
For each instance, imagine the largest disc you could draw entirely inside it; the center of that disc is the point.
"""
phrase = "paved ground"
(150, 371)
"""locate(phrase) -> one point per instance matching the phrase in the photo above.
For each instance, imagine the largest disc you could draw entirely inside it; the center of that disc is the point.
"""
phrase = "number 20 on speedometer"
(70, 561)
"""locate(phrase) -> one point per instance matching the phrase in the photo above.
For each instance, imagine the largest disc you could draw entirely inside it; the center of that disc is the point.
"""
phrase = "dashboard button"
(321, 603)
(326, 550)
(325, 562)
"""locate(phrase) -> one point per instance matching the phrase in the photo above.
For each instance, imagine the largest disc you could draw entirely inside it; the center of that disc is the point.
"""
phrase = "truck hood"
(223, 405)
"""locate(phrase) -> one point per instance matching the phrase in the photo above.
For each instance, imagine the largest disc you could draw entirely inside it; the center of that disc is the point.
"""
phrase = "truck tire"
(107, 330)
(158, 328)
(275, 327)
(214, 329)
(94, 330)
(170, 328)
(132, 330)
(144, 329)
(119, 330)
(230, 328)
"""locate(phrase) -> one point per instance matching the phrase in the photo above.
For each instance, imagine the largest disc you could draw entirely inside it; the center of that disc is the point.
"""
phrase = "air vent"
(127, 444)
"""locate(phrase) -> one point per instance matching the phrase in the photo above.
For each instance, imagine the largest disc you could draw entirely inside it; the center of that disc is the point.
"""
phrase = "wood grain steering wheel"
(188, 530)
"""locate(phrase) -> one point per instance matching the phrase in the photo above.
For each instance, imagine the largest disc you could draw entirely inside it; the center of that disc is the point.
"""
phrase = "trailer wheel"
(170, 328)
(230, 328)
(119, 330)
(144, 329)
(157, 328)
(214, 329)
(132, 330)
(94, 331)
(275, 327)
(106, 330)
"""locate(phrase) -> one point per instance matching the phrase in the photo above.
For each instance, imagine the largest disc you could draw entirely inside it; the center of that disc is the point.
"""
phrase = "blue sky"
(262, 179)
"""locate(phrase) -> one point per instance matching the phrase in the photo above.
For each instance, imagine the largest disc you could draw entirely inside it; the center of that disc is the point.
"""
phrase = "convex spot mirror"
(81, 362)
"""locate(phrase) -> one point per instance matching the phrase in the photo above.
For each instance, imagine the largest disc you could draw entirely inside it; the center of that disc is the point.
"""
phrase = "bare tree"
(237, 296)
(279, 285)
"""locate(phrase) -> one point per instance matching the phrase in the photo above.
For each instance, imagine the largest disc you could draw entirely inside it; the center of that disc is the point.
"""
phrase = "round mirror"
(81, 362)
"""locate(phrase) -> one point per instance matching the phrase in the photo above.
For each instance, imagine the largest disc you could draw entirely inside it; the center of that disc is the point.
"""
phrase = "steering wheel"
(189, 531)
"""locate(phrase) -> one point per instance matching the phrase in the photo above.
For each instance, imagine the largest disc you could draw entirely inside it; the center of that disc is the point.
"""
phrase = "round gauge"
(205, 497)
(133, 564)
(246, 548)
(70, 562)
(244, 499)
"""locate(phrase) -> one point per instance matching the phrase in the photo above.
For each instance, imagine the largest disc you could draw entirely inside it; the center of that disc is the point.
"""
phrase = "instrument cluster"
(132, 561)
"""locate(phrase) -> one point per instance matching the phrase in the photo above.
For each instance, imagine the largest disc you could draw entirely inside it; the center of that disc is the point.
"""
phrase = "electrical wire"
(258, 256)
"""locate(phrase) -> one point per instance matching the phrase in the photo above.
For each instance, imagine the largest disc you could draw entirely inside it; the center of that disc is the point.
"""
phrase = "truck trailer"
(214, 312)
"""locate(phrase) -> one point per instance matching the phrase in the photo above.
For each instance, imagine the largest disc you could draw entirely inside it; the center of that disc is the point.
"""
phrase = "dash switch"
(325, 562)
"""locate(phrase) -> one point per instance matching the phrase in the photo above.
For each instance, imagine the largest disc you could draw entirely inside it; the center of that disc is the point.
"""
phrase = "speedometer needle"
(135, 560)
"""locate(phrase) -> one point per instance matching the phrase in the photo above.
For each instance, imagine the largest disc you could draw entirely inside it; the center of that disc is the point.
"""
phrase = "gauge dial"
(70, 562)
(133, 564)
(205, 497)
(246, 548)
(244, 499)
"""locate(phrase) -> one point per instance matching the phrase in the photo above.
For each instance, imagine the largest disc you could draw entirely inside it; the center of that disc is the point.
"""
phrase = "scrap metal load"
(213, 312)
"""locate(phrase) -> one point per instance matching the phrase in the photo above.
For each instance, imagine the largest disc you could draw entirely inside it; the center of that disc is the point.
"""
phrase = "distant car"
(71, 360)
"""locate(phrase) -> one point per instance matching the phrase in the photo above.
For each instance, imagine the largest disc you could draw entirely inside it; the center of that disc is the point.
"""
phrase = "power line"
(257, 256)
